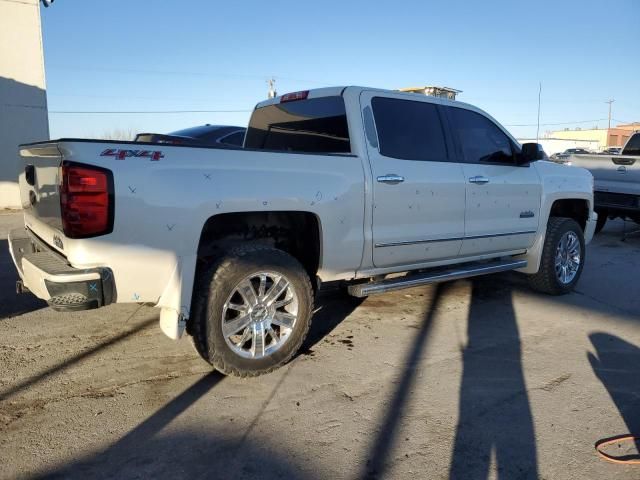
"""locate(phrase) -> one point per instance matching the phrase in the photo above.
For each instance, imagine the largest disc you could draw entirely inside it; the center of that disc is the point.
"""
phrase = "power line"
(179, 72)
(552, 124)
(109, 112)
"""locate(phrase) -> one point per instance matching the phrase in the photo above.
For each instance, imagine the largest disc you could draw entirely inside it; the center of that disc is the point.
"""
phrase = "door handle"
(479, 180)
(391, 179)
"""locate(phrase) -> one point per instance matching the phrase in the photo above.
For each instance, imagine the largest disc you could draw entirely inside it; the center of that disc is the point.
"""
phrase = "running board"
(426, 278)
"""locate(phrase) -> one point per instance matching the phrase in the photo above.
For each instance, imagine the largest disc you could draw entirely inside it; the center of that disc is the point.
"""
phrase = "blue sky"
(206, 55)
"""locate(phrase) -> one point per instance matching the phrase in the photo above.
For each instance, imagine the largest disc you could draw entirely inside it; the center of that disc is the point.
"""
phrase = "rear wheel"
(562, 259)
(252, 311)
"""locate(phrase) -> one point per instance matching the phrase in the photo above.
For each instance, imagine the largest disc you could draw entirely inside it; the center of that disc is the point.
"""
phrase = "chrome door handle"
(479, 180)
(391, 179)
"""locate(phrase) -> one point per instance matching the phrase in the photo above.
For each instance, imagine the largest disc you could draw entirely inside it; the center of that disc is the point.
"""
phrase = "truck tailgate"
(616, 173)
(40, 190)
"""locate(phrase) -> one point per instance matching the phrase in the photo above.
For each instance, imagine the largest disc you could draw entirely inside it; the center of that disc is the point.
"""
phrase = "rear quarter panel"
(161, 207)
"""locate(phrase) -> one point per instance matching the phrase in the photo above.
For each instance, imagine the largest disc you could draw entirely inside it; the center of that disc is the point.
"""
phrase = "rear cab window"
(314, 125)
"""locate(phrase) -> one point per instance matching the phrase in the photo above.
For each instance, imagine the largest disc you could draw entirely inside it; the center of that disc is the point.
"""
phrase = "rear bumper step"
(426, 278)
(49, 276)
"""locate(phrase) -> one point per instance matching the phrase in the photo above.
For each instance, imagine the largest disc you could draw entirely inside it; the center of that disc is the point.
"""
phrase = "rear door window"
(315, 125)
(481, 140)
(409, 130)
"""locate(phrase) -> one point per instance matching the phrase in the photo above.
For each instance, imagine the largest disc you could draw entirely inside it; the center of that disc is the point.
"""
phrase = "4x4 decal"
(121, 154)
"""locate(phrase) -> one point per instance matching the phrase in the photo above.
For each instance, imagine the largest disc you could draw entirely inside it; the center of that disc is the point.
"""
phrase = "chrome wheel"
(259, 315)
(568, 257)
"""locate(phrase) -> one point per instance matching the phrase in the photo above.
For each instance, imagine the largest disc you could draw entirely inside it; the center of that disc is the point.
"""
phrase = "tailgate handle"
(30, 174)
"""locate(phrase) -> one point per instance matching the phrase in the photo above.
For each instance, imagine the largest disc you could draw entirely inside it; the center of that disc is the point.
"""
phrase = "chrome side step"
(426, 278)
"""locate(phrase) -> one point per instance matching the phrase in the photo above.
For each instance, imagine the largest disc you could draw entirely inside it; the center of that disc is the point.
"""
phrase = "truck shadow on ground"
(12, 304)
(495, 414)
(616, 363)
(142, 453)
(333, 308)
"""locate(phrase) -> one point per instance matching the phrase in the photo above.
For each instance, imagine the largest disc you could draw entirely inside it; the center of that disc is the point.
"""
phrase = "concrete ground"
(474, 379)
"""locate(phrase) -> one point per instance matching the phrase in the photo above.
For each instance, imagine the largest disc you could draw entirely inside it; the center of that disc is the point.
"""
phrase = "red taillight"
(86, 201)
(292, 97)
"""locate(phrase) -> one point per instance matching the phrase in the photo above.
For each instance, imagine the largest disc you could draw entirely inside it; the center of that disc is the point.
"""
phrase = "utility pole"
(610, 101)
(538, 129)
(272, 88)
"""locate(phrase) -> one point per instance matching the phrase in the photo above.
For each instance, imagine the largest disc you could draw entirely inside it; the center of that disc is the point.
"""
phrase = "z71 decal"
(121, 154)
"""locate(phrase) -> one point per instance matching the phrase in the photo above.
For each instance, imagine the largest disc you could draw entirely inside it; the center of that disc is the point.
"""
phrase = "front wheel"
(252, 311)
(562, 259)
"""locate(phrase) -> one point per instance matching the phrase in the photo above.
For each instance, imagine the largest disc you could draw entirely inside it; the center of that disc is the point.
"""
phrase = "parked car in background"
(616, 182)
(343, 184)
(562, 157)
(611, 151)
(203, 135)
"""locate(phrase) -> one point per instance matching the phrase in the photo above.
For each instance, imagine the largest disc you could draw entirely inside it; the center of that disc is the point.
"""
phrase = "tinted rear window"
(633, 145)
(409, 130)
(317, 125)
(196, 132)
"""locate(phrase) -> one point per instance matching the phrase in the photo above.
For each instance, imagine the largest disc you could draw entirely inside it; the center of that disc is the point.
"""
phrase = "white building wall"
(559, 145)
(23, 101)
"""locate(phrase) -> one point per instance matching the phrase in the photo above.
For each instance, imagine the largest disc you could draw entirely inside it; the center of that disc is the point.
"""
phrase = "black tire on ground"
(546, 280)
(215, 286)
(602, 220)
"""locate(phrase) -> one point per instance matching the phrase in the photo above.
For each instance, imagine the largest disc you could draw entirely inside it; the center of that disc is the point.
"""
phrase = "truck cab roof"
(339, 90)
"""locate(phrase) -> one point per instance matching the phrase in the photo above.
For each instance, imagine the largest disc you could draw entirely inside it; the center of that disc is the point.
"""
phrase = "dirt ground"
(473, 379)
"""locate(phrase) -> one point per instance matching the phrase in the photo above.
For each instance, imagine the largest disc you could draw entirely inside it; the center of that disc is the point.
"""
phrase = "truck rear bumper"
(50, 277)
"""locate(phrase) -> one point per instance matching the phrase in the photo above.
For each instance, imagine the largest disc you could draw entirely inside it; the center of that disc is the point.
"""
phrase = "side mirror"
(530, 153)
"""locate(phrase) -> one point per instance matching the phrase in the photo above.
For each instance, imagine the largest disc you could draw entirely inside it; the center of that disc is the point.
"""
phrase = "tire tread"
(545, 279)
(220, 268)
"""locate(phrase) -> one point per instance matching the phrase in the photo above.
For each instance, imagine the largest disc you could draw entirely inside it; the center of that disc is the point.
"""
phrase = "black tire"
(546, 280)
(218, 282)
(602, 220)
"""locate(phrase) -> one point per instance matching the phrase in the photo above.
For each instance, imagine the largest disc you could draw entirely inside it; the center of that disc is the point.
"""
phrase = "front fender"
(559, 182)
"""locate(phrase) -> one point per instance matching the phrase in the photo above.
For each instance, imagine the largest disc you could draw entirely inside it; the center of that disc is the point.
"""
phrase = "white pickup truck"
(333, 185)
(617, 181)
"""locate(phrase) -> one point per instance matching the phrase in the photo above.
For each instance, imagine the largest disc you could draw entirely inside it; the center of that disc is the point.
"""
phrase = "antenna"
(272, 88)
